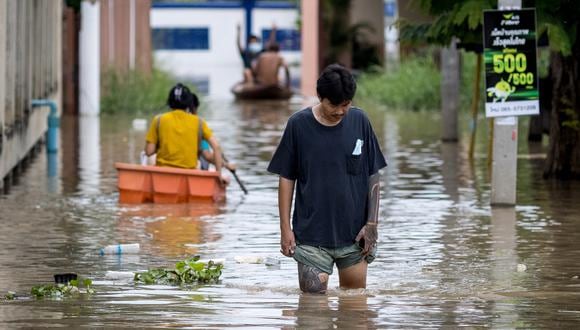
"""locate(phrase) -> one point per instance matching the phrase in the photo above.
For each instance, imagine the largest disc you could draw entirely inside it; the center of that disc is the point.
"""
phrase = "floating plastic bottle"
(120, 249)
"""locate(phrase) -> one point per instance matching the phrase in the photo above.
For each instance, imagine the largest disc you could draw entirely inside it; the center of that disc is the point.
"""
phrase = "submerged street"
(445, 257)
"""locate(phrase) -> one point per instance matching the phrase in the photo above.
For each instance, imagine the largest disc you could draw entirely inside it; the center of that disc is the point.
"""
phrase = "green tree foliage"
(558, 21)
(75, 4)
(463, 19)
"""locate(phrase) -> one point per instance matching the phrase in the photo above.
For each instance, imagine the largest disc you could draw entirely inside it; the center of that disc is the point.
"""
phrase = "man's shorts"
(324, 258)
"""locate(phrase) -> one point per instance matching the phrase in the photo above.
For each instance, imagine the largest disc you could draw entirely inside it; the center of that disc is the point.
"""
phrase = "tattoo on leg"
(312, 280)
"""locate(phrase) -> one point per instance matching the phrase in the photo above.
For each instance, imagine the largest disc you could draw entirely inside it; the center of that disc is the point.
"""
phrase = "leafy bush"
(413, 85)
(189, 271)
(135, 92)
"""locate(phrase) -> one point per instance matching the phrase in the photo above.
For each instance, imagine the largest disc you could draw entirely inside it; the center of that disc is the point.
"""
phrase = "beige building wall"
(30, 66)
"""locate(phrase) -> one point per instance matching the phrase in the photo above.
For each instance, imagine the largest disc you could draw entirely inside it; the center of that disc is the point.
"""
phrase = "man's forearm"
(373, 198)
(285, 191)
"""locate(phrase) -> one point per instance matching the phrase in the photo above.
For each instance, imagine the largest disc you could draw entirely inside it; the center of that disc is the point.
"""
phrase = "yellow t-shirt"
(176, 138)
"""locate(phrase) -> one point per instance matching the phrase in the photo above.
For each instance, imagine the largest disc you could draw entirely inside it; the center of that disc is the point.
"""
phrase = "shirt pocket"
(353, 164)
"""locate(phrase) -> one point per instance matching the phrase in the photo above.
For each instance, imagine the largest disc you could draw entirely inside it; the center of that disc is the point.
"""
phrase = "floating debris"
(120, 249)
(190, 271)
(60, 290)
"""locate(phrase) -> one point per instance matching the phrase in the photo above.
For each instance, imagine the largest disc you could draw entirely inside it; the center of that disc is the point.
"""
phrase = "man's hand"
(368, 235)
(287, 243)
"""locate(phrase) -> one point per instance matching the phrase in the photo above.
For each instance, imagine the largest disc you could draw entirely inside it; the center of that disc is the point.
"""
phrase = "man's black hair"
(274, 47)
(180, 97)
(336, 84)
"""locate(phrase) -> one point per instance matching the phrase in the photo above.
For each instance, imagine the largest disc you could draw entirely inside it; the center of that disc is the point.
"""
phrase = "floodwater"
(446, 259)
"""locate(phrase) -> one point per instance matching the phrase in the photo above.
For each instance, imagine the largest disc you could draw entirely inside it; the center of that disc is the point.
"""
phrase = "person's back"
(268, 65)
(175, 135)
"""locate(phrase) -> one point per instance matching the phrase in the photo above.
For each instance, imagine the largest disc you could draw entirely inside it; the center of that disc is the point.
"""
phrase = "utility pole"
(505, 147)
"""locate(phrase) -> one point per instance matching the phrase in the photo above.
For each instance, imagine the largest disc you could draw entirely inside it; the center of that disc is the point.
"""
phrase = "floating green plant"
(57, 291)
(189, 271)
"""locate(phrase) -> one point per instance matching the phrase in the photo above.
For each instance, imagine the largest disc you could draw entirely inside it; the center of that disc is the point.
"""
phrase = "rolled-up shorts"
(324, 258)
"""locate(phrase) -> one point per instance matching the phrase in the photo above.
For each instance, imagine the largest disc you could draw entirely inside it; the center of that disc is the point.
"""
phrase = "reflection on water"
(89, 154)
(172, 230)
(446, 259)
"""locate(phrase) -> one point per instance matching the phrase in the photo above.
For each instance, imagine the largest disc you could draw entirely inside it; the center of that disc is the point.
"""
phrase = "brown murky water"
(446, 259)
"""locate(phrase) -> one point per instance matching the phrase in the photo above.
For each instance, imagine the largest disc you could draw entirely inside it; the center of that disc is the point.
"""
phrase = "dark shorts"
(324, 258)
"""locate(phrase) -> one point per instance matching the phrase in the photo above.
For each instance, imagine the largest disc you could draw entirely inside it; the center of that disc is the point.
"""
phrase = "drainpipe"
(53, 124)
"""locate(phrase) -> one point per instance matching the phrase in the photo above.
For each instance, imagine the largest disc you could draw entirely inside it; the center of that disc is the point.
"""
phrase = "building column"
(89, 58)
(310, 46)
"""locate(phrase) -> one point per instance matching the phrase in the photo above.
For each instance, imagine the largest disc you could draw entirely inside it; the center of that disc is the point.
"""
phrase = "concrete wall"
(30, 68)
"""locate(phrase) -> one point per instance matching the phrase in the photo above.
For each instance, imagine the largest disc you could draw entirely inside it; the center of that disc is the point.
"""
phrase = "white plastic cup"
(120, 249)
(143, 158)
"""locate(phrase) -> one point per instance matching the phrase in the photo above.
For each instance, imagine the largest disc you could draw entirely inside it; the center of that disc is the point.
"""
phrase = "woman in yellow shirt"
(176, 135)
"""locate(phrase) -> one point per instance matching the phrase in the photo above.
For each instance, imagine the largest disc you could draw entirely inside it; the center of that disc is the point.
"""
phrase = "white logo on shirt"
(358, 147)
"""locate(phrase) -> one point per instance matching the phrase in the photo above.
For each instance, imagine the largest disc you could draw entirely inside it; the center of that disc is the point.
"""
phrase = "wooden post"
(475, 106)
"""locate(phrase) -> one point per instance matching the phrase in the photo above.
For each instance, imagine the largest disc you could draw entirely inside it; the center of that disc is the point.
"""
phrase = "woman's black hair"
(336, 84)
(194, 103)
(180, 97)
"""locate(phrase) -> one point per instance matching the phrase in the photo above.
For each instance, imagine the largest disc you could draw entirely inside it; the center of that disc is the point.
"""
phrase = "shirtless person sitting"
(268, 65)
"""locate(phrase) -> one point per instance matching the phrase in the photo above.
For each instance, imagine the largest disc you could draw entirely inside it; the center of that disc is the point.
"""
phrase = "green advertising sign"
(511, 82)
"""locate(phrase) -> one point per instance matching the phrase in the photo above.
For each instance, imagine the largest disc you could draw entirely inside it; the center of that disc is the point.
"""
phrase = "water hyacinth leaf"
(185, 272)
(198, 266)
(60, 290)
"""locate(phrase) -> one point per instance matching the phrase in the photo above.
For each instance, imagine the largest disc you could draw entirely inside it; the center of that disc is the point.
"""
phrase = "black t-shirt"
(248, 57)
(331, 166)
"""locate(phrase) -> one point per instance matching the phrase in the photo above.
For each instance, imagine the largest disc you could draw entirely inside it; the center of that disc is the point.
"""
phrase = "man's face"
(334, 113)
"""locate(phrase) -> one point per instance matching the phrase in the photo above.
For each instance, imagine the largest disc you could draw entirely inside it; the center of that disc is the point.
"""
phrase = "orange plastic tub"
(166, 185)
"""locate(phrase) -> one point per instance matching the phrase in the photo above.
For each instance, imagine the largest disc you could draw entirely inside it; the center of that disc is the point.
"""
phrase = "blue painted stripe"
(180, 38)
(225, 5)
(276, 5)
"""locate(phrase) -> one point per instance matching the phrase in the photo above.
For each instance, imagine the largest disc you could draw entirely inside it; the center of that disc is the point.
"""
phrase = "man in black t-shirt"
(330, 153)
